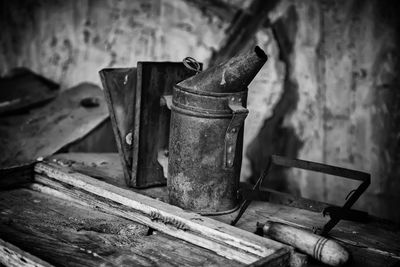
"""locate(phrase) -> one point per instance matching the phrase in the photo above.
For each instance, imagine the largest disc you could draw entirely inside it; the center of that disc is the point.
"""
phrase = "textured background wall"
(329, 92)
(70, 41)
(340, 100)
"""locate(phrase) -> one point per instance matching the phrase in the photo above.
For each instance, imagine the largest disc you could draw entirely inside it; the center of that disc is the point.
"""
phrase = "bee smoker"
(206, 135)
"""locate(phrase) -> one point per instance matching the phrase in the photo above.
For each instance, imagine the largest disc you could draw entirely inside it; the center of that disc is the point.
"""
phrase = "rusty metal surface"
(231, 76)
(206, 135)
(197, 179)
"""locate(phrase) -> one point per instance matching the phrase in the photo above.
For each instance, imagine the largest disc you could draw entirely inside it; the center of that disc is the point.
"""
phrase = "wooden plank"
(280, 256)
(273, 196)
(23, 89)
(224, 239)
(11, 255)
(65, 233)
(105, 167)
(120, 90)
(102, 166)
(151, 122)
(47, 129)
(371, 244)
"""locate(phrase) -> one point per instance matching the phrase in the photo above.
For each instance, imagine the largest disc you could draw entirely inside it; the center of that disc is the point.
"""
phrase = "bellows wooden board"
(140, 117)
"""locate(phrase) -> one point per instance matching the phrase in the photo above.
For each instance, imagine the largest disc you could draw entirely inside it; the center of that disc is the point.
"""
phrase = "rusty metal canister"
(206, 135)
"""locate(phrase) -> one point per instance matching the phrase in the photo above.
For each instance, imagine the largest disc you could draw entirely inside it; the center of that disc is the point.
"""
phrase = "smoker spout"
(231, 76)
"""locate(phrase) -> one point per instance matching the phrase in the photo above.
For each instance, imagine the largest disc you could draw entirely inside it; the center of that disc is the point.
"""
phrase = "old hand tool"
(336, 213)
(320, 248)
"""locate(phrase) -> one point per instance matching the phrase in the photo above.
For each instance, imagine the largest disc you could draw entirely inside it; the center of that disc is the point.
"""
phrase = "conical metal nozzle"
(231, 76)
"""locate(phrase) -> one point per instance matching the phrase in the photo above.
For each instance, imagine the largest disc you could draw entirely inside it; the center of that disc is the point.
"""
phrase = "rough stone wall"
(329, 92)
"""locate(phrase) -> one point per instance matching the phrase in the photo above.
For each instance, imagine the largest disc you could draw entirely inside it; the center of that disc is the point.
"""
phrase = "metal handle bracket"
(236, 123)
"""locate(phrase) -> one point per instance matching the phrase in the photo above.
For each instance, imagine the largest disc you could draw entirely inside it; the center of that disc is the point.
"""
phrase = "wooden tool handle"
(322, 249)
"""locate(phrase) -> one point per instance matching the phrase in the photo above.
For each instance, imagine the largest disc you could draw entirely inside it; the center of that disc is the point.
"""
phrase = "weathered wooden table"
(62, 232)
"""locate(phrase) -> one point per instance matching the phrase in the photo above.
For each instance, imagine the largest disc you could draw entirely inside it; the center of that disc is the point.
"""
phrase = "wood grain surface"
(13, 256)
(47, 129)
(223, 239)
(65, 233)
(371, 244)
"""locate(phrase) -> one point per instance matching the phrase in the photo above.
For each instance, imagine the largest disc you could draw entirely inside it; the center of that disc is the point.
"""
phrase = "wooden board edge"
(118, 139)
(136, 127)
(280, 258)
(51, 187)
(223, 239)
